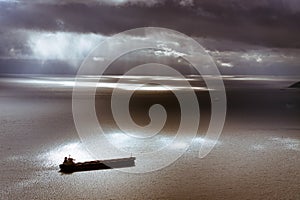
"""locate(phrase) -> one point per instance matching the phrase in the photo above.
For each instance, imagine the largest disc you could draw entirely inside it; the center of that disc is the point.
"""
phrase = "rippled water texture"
(257, 155)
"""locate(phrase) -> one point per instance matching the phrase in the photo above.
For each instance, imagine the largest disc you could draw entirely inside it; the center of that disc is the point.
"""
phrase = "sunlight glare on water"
(75, 150)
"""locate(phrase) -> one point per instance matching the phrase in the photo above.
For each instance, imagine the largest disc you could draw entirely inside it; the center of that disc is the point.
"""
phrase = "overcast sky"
(244, 37)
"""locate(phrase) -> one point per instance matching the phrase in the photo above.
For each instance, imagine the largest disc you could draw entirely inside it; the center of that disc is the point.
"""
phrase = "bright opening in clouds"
(71, 47)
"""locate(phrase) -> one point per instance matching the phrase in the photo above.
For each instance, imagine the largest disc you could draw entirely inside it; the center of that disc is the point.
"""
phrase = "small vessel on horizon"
(69, 166)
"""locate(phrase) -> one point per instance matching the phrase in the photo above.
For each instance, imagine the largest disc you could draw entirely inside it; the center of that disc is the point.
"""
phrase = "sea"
(256, 154)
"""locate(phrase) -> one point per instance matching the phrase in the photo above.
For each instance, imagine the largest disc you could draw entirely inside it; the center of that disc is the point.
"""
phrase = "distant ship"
(70, 166)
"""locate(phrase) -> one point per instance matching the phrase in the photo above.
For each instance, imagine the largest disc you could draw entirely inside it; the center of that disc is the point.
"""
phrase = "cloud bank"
(238, 34)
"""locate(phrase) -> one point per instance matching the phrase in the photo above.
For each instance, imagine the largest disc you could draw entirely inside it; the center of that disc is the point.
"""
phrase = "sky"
(243, 37)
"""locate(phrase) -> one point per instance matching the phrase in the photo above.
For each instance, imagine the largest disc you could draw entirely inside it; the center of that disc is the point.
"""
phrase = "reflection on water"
(202, 141)
(134, 82)
(287, 143)
(122, 141)
(76, 150)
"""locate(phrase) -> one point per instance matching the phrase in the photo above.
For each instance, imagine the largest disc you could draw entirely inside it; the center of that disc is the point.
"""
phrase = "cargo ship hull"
(98, 165)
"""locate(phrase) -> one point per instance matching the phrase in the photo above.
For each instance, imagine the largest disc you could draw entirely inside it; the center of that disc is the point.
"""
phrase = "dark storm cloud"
(242, 36)
(273, 23)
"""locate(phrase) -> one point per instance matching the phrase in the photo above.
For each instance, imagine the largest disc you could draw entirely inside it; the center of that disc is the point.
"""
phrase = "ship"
(69, 166)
